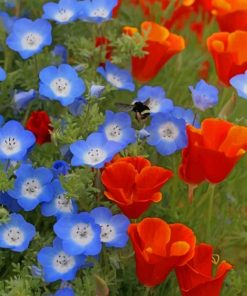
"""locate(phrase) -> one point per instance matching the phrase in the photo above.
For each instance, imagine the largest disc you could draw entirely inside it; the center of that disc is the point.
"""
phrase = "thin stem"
(211, 189)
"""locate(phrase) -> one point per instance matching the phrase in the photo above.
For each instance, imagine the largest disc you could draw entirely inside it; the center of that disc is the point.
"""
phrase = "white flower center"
(168, 131)
(113, 132)
(82, 234)
(31, 188)
(245, 89)
(99, 12)
(61, 87)
(114, 80)
(107, 233)
(62, 262)
(154, 105)
(10, 145)
(63, 204)
(13, 236)
(95, 156)
(31, 41)
(63, 15)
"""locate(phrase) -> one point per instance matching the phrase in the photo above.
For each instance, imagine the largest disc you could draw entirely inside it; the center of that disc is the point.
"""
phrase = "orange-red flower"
(161, 45)
(229, 53)
(133, 184)
(159, 248)
(212, 151)
(39, 123)
(231, 15)
(195, 278)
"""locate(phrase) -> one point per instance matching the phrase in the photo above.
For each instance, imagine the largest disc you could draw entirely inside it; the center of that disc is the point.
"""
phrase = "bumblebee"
(142, 111)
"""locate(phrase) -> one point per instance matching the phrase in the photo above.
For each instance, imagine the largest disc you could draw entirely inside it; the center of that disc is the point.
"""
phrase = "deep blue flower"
(155, 99)
(239, 82)
(14, 141)
(62, 84)
(187, 114)
(94, 152)
(22, 98)
(79, 233)
(97, 11)
(204, 95)
(77, 107)
(167, 133)
(142, 133)
(96, 90)
(119, 78)
(9, 202)
(58, 264)
(60, 167)
(32, 186)
(16, 234)
(2, 74)
(113, 228)
(7, 21)
(65, 292)
(59, 205)
(29, 37)
(117, 128)
(61, 52)
(63, 12)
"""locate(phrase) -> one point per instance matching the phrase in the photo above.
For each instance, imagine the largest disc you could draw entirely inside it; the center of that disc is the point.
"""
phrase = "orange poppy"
(159, 248)
(229, 53)
(161, 45)
(133, 184)
(212, 151)
(195, 278)
(231, 15)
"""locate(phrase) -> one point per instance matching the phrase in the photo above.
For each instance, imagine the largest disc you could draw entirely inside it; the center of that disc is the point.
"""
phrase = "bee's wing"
(147, 102)
(124, 107)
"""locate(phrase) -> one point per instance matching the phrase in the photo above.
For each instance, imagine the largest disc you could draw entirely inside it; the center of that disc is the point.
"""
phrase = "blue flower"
(9, 202)
(14, 141)
(77, 107)
(32, 186)
(60, 167)
(97, 11)
(80, 234)
(119, 78)
(29, 37)
(96, 90)
(142, 133)
(94, 152)
(117, 128)
(63, 12)
(1, 120)
(65, 292)
(61, 84)
(7, 21)
(58, 264)
(204, 95)
(167, 133)
(2, 74)
(157, 101)
(113, 228)
(186, 114)
(16, 234)
(239, 82)
(61, 52)
(22, 98)
(59, 205)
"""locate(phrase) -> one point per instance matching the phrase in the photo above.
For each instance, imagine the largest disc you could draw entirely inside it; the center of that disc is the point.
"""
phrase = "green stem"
(211, 189)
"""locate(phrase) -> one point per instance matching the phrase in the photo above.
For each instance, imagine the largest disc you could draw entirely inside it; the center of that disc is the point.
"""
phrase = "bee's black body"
(142, 111)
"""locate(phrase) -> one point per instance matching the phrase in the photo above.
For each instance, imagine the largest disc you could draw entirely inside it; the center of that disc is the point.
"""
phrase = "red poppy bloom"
(104, 42)
(195, 278)
(161, 45)
(231, 15)
(116, 9)
(212, 151)
(229, 53)
(39, 123)
(159, 248)
(133, 184)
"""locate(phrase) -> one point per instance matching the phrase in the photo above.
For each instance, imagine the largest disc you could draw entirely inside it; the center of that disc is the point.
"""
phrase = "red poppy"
(104, 42)
(231, 15)
(161, 45)
(133, 184)
(229, 53)
(212, 151)
(39, 123)
(116, 9)
(159, 248)
(195, 278)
